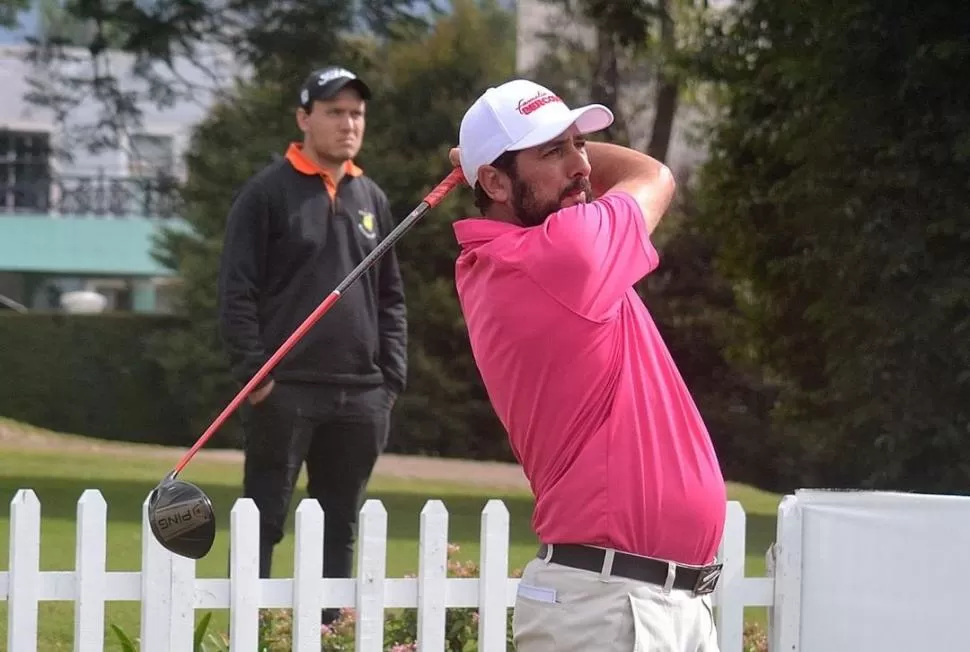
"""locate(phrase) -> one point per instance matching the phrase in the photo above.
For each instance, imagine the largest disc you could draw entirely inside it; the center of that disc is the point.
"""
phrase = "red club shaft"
(430, 200)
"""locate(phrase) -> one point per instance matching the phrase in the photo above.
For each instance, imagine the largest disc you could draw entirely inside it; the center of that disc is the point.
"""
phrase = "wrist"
(612, 164)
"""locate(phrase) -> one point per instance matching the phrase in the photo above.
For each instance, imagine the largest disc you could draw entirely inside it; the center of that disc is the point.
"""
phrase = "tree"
(635, 56)
(123, 53)
(638, 58)
(233, 142)
(428, 83)
(10, 9)
(58, 25)
(837, 191)
(409, 131)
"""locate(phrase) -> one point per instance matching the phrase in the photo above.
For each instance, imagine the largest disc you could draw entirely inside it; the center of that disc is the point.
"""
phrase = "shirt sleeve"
(588, 256)
(242, 270)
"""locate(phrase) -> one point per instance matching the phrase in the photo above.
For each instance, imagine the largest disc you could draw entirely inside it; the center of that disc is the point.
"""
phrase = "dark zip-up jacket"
(291, 237)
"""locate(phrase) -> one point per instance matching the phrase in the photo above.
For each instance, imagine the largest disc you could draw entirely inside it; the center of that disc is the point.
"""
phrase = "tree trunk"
(606, 84)
(663, 123)
(668, 91)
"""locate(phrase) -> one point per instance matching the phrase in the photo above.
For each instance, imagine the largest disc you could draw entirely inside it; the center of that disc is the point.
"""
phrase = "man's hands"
(454, 157)
(260, 394)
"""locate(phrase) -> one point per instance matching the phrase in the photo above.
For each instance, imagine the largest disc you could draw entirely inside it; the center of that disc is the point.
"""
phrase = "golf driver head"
(182, 519)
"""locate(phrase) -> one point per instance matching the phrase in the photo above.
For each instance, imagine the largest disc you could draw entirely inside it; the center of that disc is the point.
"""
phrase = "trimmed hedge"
(88, 374)
(130, 377)
(151, 379)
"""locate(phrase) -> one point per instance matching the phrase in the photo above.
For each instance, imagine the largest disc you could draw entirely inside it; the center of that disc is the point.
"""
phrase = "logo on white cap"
(527, 106)
(518, 115)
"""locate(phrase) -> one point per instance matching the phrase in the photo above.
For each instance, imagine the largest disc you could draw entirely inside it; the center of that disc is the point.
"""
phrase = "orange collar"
(294, 154)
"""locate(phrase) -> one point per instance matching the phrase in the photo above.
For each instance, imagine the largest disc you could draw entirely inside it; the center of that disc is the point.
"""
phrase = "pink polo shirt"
(596, 411)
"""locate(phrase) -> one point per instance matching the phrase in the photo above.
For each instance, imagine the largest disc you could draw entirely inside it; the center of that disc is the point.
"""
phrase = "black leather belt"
(699, 580)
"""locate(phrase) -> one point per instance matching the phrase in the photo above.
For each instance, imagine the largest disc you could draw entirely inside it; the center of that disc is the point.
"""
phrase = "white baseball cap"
(518, 115)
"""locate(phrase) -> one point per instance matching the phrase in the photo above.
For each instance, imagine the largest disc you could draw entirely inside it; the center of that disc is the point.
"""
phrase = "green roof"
(72, 244)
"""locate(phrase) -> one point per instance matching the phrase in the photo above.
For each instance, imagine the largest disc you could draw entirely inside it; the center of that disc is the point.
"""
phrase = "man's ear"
(302, 119)
(495, 183)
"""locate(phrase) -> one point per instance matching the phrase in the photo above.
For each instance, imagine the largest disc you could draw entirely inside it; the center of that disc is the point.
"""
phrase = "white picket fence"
(170, 592)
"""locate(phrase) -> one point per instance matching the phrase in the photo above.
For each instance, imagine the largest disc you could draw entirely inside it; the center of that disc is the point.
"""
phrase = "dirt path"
(15, 436)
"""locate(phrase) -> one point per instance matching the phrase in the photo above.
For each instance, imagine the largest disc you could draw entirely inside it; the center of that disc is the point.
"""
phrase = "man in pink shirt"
(630, 501)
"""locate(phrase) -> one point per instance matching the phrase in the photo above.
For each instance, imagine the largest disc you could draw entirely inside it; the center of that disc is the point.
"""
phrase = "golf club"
(180, 513)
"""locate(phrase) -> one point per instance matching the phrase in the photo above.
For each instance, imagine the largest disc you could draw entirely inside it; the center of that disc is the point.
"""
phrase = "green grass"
(60, 477)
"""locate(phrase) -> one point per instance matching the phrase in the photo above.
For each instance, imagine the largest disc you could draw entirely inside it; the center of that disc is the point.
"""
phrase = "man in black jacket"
(295, 230)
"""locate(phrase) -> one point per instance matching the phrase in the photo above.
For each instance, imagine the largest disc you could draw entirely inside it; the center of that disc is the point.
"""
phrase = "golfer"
(295, 231)
(630, 501)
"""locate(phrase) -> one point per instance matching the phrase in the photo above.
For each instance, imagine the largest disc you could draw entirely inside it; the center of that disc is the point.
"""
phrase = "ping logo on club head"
(179, 518)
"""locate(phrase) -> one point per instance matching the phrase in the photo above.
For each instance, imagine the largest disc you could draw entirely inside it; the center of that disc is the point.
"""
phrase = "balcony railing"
(93, 196)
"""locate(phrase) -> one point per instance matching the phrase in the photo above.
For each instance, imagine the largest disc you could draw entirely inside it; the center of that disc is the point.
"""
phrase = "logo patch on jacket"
(367, 225)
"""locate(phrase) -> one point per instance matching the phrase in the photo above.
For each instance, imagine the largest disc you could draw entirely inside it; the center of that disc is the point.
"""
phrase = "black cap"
(324, 83)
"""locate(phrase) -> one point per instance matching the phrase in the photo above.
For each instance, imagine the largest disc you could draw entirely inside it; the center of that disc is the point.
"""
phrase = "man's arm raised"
(620, 169)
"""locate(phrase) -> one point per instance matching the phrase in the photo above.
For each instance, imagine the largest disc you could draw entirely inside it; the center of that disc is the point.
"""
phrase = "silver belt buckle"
(707, 579)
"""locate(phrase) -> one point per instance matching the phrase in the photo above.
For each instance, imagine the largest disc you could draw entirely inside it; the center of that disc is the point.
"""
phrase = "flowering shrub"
(400, 625)
(755, 638)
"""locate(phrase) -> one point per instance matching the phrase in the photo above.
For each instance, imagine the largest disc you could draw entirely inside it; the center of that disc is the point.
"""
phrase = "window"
(151, 156)
(25, 178)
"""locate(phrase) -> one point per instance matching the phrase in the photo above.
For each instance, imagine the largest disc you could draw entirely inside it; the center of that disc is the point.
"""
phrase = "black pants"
(338, 433)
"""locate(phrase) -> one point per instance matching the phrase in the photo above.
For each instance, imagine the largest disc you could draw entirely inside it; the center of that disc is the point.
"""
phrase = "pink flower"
(326, 630)
(405, 647)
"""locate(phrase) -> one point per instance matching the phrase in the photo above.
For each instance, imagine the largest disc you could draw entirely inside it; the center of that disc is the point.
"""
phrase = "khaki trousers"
(563, 609)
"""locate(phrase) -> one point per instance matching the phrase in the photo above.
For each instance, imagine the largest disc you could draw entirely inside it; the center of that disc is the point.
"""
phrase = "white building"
(72, 218)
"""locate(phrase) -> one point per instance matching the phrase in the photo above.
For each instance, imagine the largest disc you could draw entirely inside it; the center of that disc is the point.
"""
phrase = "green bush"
(89, 374)
(118, 376)
(755, 638)
(135, 377)
(400, 627)
(202, 639)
